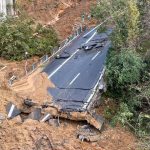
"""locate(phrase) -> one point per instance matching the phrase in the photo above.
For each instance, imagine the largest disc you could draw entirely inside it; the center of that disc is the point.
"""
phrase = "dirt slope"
(33, 135)
(61, 14)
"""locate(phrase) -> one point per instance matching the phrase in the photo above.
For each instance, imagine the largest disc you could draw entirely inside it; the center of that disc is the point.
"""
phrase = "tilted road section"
(75, 77)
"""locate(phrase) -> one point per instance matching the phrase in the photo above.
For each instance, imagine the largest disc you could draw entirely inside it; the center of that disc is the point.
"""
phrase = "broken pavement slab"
(91, 117)
(35, 114)
(12, 110)
(95, 120)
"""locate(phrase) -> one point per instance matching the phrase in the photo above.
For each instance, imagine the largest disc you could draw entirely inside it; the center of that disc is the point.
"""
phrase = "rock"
(29, 102)
(87, 126)
(63, 55)
(36, 114)
(12, 110)
(54, 122)
(82, 138)
(88, 133)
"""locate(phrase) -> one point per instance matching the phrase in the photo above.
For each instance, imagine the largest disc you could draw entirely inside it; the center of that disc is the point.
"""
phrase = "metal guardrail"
(43, 59)
(30, 69)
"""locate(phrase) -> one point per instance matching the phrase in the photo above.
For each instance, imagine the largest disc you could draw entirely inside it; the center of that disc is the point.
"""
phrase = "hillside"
(61, 14)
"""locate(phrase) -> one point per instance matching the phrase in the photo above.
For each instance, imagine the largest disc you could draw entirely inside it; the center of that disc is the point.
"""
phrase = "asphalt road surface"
(76, 76)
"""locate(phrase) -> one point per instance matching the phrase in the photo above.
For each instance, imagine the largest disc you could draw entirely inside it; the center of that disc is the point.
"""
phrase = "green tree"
(18, 35)
(124, 15)
(123, 70)
(127, 73)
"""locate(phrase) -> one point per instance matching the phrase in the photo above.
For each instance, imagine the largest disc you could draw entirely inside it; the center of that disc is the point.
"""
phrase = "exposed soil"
(32, 135)
(34, 87)
(61, 14)
(14, 68)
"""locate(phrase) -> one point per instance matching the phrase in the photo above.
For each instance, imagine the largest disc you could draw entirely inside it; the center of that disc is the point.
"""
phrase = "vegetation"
(20, 35)
(128, 64)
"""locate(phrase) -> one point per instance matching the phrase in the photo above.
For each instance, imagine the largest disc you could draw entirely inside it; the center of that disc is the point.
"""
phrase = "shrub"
(18, 35)
(123, 69)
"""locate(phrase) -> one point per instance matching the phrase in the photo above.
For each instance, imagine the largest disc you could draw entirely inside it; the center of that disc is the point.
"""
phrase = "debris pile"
(24, 133)
(43, 113)
(88, 133)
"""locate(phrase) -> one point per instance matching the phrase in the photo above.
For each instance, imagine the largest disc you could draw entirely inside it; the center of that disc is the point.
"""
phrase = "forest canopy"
(128, 63)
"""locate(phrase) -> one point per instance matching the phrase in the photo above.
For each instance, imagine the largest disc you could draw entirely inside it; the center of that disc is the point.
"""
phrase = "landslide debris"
(32, 135)
(34, 87)
(61, 14)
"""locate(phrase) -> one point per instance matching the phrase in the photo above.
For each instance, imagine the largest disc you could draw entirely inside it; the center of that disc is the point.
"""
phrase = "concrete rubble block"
(35, 114)
(29, 102)
(54, 122)
(46, 117)
(88, 133)
(12, 110)
(63, 55)
(91, 117)
(96, 120)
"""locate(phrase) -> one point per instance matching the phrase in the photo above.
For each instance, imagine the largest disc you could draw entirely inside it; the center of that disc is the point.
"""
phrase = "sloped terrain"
(33, 135)
(61, 14)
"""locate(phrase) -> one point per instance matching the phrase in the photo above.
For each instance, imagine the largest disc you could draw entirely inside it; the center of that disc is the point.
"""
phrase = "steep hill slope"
(61, 14)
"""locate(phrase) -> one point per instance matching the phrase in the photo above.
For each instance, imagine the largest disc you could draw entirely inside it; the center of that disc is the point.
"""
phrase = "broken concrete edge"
(87, 115)
(88, 138)
(45, 114)
(92, 118)
(87, 133)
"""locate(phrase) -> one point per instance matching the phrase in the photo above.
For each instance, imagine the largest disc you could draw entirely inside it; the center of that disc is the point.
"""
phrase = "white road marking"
(62, 64)
(11, 111)
(69, 58)
(95, 56)
(44, 119)
(94, 89)
(90, 38)
(74, 79)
